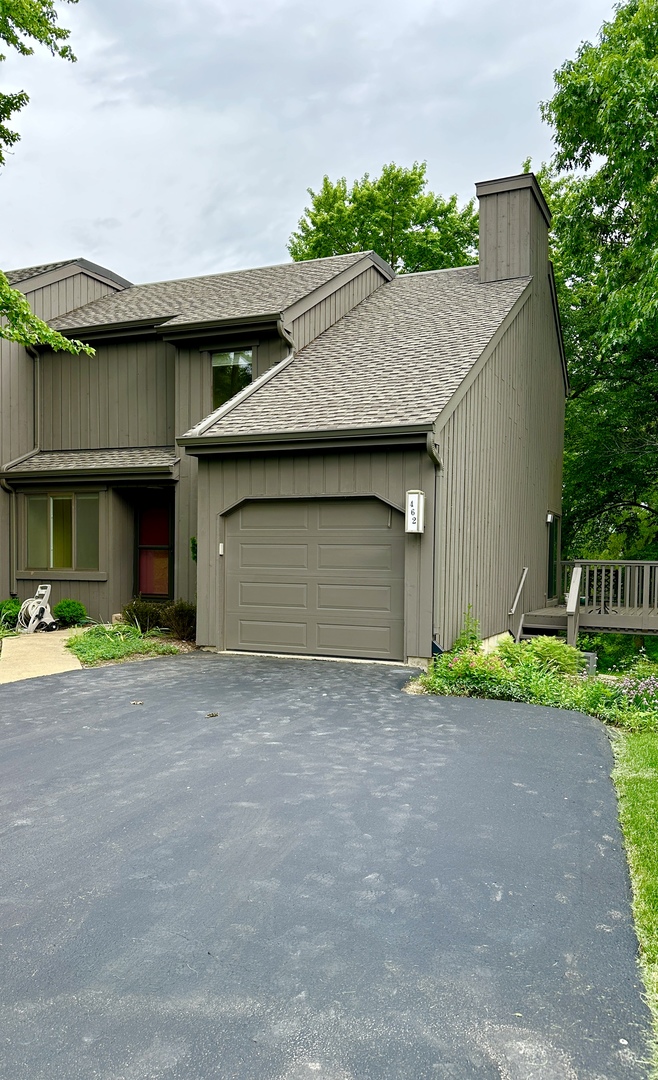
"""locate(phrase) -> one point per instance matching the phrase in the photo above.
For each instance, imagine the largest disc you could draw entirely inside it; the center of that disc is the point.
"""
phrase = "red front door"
(154, 551)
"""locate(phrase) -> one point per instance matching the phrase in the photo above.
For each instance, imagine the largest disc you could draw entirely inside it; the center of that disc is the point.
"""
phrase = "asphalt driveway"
(237, 867)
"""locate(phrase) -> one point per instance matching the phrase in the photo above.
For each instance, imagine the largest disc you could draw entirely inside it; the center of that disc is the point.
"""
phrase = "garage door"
(321, 576)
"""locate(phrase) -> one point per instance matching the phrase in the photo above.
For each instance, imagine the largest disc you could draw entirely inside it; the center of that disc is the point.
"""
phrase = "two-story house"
(281, 416)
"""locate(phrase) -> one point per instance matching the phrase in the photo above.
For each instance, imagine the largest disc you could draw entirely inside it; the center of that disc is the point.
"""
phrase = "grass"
(117, 642)
(636, 780)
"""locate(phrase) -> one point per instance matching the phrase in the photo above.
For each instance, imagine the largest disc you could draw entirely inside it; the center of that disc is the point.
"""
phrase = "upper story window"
(231, 372)
(62, 532)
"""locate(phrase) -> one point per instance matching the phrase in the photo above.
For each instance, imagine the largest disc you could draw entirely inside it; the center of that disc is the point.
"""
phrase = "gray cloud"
(185, 137)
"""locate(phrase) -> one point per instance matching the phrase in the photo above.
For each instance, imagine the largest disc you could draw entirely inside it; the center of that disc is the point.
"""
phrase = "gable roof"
(14, 276)
(26, 273)
(265, 290)
(396, 359)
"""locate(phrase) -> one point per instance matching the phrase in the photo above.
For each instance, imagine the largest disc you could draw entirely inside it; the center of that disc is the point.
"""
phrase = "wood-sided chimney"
(514, 224)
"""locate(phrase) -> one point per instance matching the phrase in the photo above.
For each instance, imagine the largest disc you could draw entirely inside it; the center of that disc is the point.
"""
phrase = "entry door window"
(154, 551)
(553, 557)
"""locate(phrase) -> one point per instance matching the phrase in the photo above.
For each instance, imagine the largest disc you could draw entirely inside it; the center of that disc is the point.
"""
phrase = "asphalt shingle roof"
(139, 457)
(237, 294)
(14, 276)
(397, 358)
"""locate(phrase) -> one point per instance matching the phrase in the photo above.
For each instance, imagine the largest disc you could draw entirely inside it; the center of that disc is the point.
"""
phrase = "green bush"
(619, 652)
(9, 610)
(145, 615)
(180, 618)
(70, 613)
(549, 653)
(546, 674)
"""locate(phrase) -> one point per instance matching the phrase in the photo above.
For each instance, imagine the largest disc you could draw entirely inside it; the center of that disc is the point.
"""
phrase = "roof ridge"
(248, 269)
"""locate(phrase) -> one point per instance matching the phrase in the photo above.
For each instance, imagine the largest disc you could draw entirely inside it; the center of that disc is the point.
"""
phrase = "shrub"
(70, 612)
(549, 654)
(9, 610)
(619, 652)
(143, 614)
(180, 618)
(469, 636)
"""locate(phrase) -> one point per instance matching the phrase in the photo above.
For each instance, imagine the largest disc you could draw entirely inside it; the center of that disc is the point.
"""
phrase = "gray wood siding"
(66, 295)
(222, 483)
(17, 407)
(513, 236)
(122, 396)
(328, 311)
(502, 455)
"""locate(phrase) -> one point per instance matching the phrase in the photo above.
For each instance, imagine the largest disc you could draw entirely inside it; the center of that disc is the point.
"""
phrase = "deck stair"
(614, 597)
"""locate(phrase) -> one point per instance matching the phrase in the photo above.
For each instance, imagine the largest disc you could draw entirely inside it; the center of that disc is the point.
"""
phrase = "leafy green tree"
(602, 185)
(21, 23)
(20, 324)
(393, 214)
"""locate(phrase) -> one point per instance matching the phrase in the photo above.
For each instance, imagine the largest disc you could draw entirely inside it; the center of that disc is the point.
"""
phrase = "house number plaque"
(414, 521)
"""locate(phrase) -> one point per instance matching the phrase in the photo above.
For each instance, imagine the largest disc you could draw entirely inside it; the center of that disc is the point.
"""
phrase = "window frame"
(227, 349)
(26, 572)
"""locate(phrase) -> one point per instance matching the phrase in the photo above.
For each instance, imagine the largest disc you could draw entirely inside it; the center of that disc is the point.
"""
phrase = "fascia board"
(483, 358)
(377, 436)
(137, 327)
(329, 287)
(77, 475)
(558, 328)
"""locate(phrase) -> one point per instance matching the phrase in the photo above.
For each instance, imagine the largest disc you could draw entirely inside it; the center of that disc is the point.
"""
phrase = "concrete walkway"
(29, 656)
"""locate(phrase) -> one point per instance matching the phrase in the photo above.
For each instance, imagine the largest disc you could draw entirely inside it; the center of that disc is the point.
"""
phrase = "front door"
(154, 550)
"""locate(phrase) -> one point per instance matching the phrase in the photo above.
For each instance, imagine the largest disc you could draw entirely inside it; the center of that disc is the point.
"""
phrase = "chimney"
(514, 224)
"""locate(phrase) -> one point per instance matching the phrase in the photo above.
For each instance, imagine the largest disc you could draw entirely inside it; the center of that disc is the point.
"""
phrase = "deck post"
(573, 606)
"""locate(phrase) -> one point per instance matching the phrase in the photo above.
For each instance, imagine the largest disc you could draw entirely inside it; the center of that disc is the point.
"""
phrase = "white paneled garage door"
(317, 576)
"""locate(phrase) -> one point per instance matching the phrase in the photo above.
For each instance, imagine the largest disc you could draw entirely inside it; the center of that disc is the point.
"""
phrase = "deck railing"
(616, 593)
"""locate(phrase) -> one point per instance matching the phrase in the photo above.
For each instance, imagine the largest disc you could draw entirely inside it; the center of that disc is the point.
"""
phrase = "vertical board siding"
(224, 482)
(502, 455)
(17, 389)
(328, 311)
(122, 396)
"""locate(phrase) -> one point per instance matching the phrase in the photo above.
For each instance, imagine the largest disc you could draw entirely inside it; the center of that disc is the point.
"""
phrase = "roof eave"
(395, 435)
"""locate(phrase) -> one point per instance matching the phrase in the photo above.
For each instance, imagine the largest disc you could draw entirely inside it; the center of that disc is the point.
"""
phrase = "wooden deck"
(611, 597)
(614, 621)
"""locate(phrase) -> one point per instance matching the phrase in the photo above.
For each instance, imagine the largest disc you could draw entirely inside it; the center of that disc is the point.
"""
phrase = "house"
(287, 417)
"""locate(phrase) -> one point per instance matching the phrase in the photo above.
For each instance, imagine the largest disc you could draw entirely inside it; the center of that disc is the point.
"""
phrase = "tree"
(22, 22)
(394, 215)
(603, 187)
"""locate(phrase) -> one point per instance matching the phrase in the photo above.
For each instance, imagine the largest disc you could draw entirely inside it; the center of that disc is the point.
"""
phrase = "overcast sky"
(185, 137)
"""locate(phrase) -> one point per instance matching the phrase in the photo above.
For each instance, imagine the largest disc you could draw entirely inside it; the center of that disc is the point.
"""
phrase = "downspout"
(4, 483)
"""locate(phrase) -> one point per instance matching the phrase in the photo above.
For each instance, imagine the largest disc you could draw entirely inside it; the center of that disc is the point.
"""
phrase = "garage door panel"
(355, 557)
(274, 555)
(315, 576)
(290, 515)
(271, 634)
(353, 514)
(348, 639)
(355, 597)
(276, 594)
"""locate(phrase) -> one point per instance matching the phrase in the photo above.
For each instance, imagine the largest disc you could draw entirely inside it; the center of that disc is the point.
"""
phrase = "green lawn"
(117, 642)
(636, 779)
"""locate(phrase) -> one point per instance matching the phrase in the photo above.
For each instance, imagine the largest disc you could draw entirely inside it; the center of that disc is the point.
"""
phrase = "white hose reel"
(35, 614)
